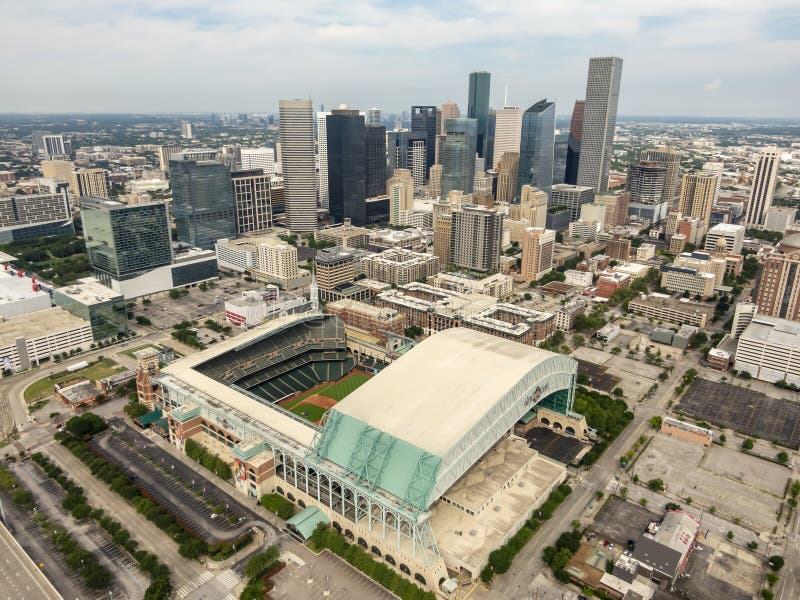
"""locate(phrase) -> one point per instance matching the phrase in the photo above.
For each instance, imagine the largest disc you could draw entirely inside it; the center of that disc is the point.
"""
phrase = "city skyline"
(711, 60)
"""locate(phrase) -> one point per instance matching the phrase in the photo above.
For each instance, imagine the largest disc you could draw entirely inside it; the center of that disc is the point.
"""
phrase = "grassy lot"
(338, 391)
(132, 350)
(44, 387)
(309, 412)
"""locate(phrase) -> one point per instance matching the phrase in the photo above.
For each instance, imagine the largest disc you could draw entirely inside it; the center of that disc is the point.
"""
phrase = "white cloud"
(712, 86)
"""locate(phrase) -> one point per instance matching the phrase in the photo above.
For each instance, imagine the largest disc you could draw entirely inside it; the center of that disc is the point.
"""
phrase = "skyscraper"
(765, 177)
(458, 155)
(347, 160)
(778, 293)
(670, 159)
(90, 182)
(124, 241)
(186, 130)
(478, 107)
(297, 160)
(252, 200)
(400, 189)
(374, 116)
(165, 152)
(322, 158)
(536, 146)
(697, 195)
(475, 238)
(574, 144)
(560, 151)
(202, 200)
(407, 150)
(571, 197)
(435, 182)
(537, 253)
(599, 120)
(507, 173)
(376, 160)
(423, 124)
(646, 187)
(508, 131)
(262, 158)
(449, 110)
(715, 168)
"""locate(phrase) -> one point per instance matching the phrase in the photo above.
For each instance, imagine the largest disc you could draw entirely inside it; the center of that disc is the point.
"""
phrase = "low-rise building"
(566, 314)
(345, 235)
(579, 278)
(499, 285)
(513, 322)
(769, 350)
(718, 359)
(687, 279)
(663, 307)
(392, 239)
(399, 266)
(19, 294)
(78, 394)
(686, 431)
(102, 307)
(375, 320)
(255, 307)
(645, 252)
(663, 556)
(609, 281)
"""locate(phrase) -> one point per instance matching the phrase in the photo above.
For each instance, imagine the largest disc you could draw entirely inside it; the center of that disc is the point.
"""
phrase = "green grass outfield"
(340, 390)
(309, 412)
(44, 387)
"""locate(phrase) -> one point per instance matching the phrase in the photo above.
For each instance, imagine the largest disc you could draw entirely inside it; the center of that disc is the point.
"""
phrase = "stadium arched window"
(420, 578)
(545, 421)
(405, 569)
(363, 542)
(348, 534)
(376, 551)
(279, 489)
(336, 526)
(301, 503)
(570, 430)
(290, 497)
(390, 559)
(557, 425)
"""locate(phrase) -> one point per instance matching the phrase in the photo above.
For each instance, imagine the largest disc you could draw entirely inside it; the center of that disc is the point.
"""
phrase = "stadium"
(417, 464)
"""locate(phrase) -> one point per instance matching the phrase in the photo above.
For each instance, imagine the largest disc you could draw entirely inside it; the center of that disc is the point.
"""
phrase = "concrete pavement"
(20, 578)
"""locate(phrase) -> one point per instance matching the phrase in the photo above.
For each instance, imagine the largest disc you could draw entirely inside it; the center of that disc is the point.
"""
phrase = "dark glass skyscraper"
(423, 124)
(574, 144)
(376, 160)
(536, 147)
(458, 155)
(202, 200)
(124, 241)
(560, 151)
(478, 107)
(347, 170)
(407, 150)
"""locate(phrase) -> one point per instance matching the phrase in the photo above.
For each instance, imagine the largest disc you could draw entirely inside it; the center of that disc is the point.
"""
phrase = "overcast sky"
(681, 57)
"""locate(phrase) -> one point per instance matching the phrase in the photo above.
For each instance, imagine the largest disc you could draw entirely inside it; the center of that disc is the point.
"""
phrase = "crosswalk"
(228, 579)
(190, 587)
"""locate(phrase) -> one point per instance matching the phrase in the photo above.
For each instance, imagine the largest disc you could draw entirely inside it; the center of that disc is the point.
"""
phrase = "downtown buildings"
(297, 161)
(764, 179)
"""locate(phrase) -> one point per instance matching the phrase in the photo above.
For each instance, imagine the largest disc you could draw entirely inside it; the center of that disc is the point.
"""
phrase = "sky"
(722, 58)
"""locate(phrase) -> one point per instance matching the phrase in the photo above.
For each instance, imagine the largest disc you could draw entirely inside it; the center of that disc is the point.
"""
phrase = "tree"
(747, 444)
(643, 501)
(782, 457)
(729, 535)
(776, 562)
(618, 392)
(656, 485)
(578, 340)
(259, 563)
(655, 422)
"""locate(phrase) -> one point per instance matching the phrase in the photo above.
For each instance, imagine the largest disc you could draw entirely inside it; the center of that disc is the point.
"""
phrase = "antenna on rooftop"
(505, 98)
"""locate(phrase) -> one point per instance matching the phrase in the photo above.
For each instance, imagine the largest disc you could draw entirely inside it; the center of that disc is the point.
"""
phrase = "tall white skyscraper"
(765, 177)
(186, 130)
(599, 120)
(507, 133)
(715, 168)
(322, 158)
(262, 158)
(297, 161)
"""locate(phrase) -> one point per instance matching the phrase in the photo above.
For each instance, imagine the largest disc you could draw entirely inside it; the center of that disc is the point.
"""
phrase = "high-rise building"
(715, 168)
(435, 182)
(423, 124)
(322, 158)
(532, 206)
(278, 260)
(537, 253)
(374, 117)
(560, 151)
(616, 208)
(475, 238)
(726, 238)
(618, 248)
(599, 121)
(407, 150)
(507, 173)
(478, 107)
(449, 110)
(51, 145)
(778, 292)
(646, 188)
(186, 130)
(252, 200)
(90, 182)
(347, 160)
(165, 152)
(57, 169)
(297, 162)
(376, 160)
(765, 177)
(442, 228)
(125, 241)
(571, 197)
(262, 158)
(697, 195)
(574, 143)
(536, 146)
(670, 159)
(458, 155)
(400, 189)
(202, 200)
(35, 215)
(508, 131)
(742, 316)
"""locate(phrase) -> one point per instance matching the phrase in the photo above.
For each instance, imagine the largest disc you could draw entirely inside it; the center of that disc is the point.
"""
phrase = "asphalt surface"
(20, 578)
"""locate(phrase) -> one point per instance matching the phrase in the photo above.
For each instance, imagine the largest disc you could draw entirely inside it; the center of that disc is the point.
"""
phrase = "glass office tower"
(346, 135)
(423, 124)
(478, 107)
(536, 147)
(458, 155)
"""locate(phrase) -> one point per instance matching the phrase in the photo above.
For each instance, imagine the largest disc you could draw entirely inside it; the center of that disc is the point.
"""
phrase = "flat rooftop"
(89, 291)
(38, 324)
(772, 331)
(432, 396)
(14, 288)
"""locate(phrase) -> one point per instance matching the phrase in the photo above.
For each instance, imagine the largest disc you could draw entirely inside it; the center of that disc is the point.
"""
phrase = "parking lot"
(191, 498)
(743, 410)
(736, 484)
(633, 376)
(553, 445)
(619, 521)
(724, 571)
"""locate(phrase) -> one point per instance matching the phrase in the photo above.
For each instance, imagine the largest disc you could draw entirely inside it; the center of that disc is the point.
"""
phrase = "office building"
(507, 174)
(697, 195)
(778, 292)
(532, 206)
(102, 307)
(765, 177)
(122, 241)
(202, 200)
(399, 266)
(335, 270)
(646, 189)
(49, 145)
(478, 109)
(645, 252)
(571, 197)
(537, 253)
(400, 189)
(536, 147)
(458, 155)
(574, 143)
(671, 161)
(498, 286)
(376, 160)
(374, 117)
(618, 249)
(165, 153)
(687, 279)
(780, 218)
(674, 309)
(262, 159)
(725, 238)
(599, 121)
(321, 130)
(616, 208)
(252, 200)
(277, 260)
(560, 151)
(742, 315)
(508, 132)
(59, 170)
(475, 239)
(35, 215)
(769, 350)
(90, 182)
(297, 163)
(449, 110)
(347, 162)
(186, 130)
(435, 182)
(442, 230)
(407, 150)
(423, 125)
(715, 168)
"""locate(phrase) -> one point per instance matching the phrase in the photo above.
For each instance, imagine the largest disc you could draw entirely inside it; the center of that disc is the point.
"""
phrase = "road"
(19, 575)
(789, 584)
